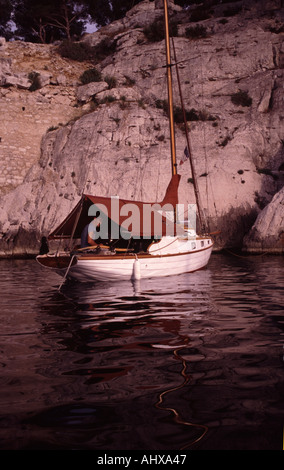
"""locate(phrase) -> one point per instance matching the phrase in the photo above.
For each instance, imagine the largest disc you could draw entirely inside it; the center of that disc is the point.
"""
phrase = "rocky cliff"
(61, 137)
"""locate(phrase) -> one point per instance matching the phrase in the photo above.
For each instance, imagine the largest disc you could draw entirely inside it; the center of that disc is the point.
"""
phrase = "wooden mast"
(193, 173)
(170, 90)
(171, 118)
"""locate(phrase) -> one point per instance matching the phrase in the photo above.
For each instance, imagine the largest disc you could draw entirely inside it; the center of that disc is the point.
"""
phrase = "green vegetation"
(81, 52)
(104, 49)
(190, 115)
(267, 172)
(156, 31)
(75, 50)
(108, 99)
(91, 75)
(34, 78)
(196, 32)
(111, 81)
(199, 14)
(241, 98)
(225, 141)
(233, 10)
(47, 21)
(128, 81)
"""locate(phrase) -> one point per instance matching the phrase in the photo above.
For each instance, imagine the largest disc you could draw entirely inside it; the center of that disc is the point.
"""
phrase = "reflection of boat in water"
(164, 298)
(146, 323)
(135, 249)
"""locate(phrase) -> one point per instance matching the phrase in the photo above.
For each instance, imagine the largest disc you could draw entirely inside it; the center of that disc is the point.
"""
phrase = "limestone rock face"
(87, 92)
(267, 233)
(89, 156)
(65, 138)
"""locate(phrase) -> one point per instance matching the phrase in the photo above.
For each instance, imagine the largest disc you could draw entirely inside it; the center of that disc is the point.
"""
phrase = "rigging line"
(137, 157)
(142, 167)
(90, 142)
(139, 170)
(152, 68)
(177, 416)
(139, 173)
(83, 190)
(142, 170)
(159, 159)
(204, 135)
(193, 173)
(166, 246)
(123, 125)
(158, 177)
(67, 271)
(136, 179)
(244, 256)
(208, 177)
(127, 248)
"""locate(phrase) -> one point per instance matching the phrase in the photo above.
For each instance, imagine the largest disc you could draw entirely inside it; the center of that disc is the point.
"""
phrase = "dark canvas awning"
(120, 211)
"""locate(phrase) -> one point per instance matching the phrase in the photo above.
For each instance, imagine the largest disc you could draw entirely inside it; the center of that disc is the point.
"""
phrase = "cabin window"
(202, 243)
(193, 245)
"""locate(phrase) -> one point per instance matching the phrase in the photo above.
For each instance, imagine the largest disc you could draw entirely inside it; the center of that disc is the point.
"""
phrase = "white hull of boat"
(138, 267)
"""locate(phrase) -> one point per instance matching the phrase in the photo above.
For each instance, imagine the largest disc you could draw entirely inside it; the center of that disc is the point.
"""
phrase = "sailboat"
(151, 243)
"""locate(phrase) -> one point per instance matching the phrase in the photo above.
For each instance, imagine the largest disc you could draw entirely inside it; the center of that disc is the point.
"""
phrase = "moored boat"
(150, 242)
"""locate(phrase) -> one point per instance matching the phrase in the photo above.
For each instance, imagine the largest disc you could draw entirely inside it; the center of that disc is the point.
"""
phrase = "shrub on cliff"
(34, 78)
(111, 81)
(199, 14)
(75, 51)
(155, 32)
(91, 75)
(196, 32)
(104, 49)
(241, 98)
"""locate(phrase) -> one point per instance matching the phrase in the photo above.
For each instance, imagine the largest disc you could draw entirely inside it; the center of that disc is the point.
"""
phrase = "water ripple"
(187, 362)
